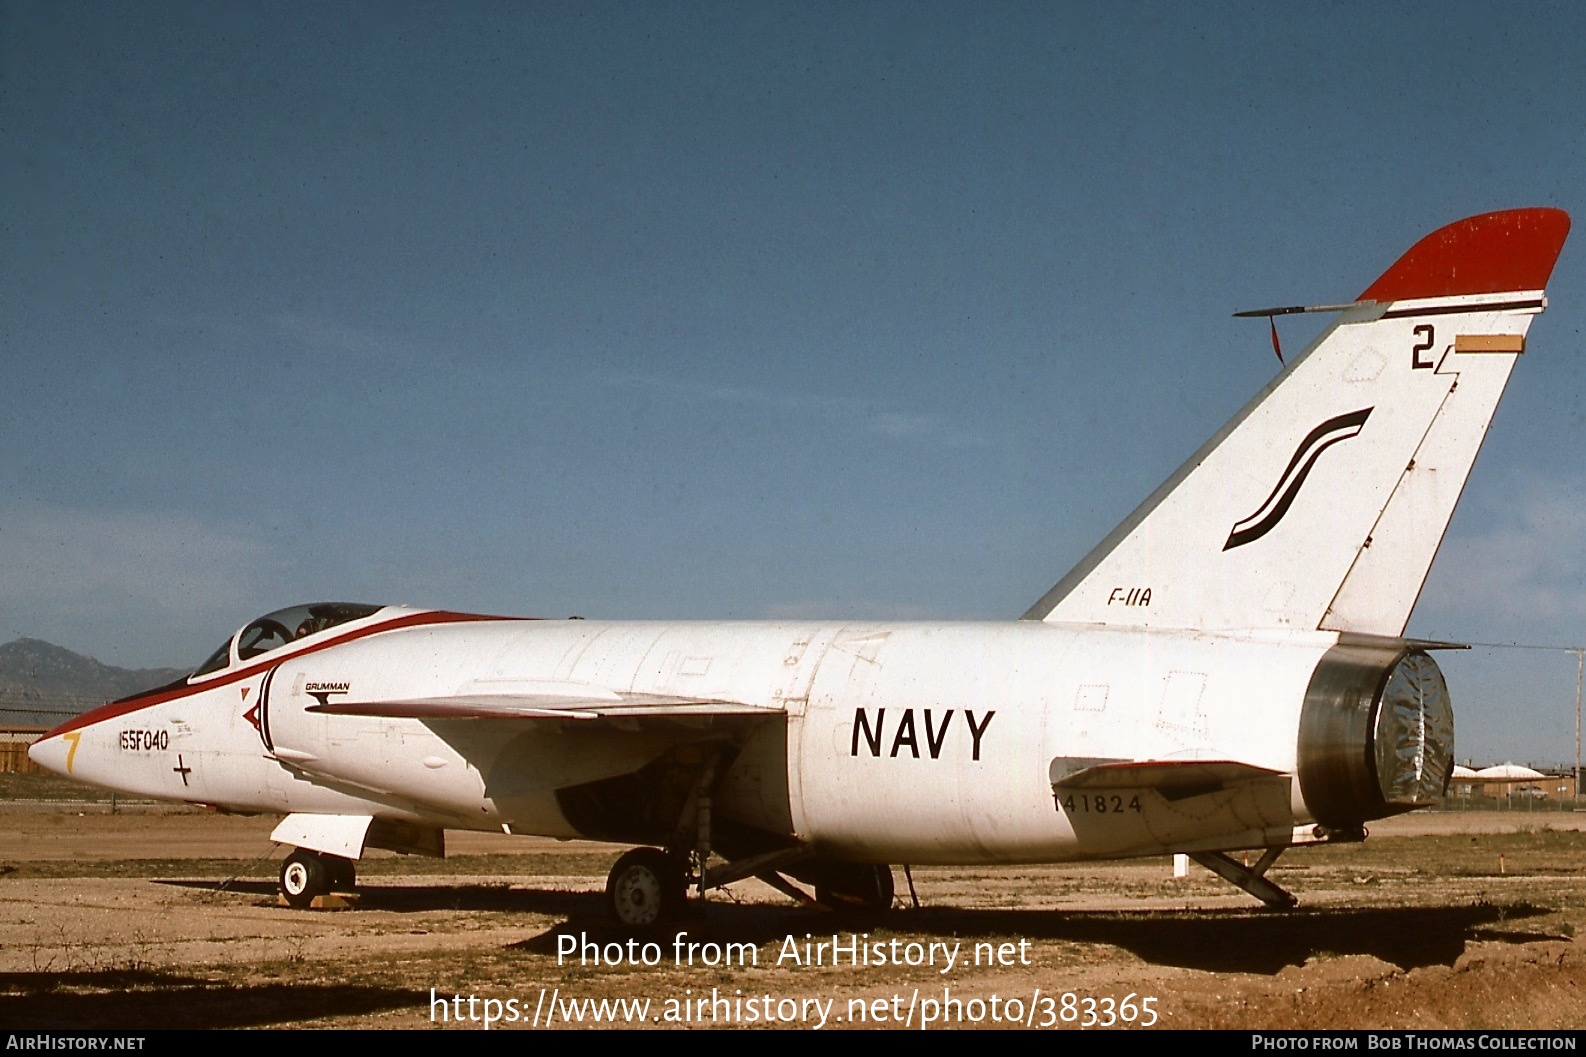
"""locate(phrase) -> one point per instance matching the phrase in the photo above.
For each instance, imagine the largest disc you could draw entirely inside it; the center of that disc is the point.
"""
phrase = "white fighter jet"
(1226, 671)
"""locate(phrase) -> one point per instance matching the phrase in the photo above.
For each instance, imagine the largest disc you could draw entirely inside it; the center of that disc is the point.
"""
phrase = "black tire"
(304, 875)
(860, 890)
(343, 873)
(646, 887)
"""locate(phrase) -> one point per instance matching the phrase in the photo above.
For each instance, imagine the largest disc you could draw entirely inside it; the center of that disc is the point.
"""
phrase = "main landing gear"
(649, 886)
(306, 874)
(646, 887)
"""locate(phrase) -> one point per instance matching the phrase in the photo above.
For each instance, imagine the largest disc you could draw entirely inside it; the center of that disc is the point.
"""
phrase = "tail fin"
(1323, 502)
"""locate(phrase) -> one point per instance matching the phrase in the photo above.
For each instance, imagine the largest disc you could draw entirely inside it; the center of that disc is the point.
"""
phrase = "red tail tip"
(1514, 249)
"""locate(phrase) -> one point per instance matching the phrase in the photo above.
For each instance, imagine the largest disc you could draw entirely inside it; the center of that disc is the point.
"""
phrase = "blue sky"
(651, 310)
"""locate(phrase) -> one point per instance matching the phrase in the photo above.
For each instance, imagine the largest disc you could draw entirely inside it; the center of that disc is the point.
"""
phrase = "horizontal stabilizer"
(1170, 777)
(546, 706)
(1139, 807)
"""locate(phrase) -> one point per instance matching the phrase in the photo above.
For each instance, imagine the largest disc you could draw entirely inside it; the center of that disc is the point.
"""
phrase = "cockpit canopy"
(275, 630)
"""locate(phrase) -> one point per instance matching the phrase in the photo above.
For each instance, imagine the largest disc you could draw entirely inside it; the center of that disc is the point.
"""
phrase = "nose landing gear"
(308, 874)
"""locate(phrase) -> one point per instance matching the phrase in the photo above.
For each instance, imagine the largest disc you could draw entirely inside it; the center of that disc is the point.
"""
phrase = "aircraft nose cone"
(52, 752)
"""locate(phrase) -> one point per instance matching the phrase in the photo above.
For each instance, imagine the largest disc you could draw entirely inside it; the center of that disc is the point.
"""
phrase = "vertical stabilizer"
(1323, 502)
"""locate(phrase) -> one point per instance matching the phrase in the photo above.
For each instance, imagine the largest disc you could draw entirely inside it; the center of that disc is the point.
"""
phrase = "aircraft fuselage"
(917, 742)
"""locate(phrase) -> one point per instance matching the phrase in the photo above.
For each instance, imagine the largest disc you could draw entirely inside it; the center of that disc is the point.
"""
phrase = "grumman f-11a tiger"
(1225, 672)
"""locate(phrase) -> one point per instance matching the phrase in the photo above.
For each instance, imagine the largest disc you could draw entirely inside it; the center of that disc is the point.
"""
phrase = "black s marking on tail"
(1266, 518)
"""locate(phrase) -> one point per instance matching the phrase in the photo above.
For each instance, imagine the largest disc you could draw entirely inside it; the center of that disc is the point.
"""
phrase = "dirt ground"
(149, 918)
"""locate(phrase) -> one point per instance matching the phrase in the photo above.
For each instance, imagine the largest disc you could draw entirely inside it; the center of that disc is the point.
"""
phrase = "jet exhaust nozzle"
(1376, 734)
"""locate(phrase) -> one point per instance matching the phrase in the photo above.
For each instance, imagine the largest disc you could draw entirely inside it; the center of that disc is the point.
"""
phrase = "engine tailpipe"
(1376, 734)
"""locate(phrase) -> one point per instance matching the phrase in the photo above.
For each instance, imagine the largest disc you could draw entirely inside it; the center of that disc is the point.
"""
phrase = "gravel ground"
(169, 919)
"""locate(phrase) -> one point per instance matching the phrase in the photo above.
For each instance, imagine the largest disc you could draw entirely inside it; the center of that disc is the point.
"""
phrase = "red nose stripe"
(159, 697)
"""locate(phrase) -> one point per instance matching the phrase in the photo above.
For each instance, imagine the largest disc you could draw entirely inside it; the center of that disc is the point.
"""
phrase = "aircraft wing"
(591, 704)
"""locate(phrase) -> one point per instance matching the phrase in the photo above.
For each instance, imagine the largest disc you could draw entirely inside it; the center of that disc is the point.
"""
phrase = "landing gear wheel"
(866, 890)
(304, 875)
(646, 887)
(343, 873)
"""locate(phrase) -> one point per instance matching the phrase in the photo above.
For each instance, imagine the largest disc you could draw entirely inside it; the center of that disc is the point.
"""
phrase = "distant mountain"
(42, 684)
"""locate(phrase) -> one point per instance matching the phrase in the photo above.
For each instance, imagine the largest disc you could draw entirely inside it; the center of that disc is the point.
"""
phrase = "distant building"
(1510, 782)
(14, 742)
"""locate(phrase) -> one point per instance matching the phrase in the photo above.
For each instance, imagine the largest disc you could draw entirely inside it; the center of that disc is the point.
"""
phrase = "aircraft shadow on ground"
(132, 1000)
(1257, 941)
(1254, 941)
(1218, 940)
(419, 898)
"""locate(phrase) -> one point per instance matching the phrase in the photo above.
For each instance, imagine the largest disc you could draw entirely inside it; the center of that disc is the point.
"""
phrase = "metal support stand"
(1249, 878)
(789, 889)
(755, 866)
(764, 867)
